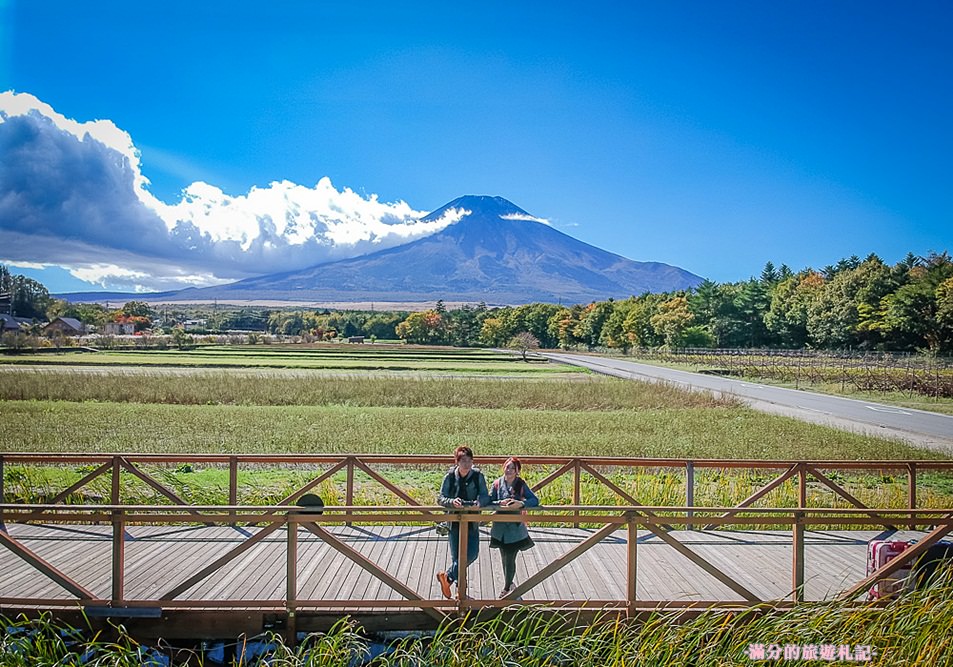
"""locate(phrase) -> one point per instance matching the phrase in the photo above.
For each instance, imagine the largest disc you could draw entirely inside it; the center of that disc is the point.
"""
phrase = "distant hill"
(497, 253)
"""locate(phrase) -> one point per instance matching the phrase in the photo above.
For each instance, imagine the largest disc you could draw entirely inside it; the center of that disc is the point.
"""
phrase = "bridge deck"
(159, 557)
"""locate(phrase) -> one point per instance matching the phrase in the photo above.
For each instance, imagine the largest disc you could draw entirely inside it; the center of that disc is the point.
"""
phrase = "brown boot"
(444, 581)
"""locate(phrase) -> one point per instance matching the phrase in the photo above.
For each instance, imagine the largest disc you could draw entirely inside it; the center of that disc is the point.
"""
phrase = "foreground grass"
(913, 629)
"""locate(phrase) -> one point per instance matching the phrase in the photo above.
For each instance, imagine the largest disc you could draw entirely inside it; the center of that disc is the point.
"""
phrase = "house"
(68, 326)
(11, 323)
(120, 328)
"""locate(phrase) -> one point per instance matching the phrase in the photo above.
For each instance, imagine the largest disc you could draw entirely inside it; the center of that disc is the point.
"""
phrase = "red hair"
(516, 463)
(461, 451)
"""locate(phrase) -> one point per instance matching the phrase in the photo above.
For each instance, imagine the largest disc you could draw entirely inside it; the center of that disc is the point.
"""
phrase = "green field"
(340, 357)
(295, 406)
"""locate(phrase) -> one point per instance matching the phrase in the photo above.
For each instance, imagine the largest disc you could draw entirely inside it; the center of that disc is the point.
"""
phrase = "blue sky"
(710, 135)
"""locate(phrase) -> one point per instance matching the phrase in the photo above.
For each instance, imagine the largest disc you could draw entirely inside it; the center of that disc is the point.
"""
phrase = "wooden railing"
(377, 468)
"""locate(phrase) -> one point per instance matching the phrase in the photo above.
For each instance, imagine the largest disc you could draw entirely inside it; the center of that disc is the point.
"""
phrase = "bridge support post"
(118, 557)
(690, 491)
(797, 565)
(232, 485)
(3, 497)
(631, 564)
(291, 634)
(911, 488)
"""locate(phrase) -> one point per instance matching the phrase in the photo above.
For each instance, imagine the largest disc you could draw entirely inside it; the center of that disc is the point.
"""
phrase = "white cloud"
(121, 278)
(526, 217)
(72, 194)
(23, 265)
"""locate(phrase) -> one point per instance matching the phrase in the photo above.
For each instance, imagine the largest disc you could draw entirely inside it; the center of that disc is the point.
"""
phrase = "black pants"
(508, 556)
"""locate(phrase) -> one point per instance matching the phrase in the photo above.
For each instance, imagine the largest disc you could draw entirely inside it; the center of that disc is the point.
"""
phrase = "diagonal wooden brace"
(173, 593)
(46, 568)
(843, 493)
(369, 566)
(763, 491)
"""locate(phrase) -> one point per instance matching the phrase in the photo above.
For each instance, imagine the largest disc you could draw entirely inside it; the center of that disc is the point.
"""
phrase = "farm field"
(917, 384)
(337, 357)
(305, 410)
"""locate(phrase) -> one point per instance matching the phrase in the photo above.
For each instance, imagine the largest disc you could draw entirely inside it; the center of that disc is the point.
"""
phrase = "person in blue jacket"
(463, 486)
(510, 493)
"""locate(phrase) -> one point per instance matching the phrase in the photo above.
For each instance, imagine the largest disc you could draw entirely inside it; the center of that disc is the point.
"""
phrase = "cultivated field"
(918, 382)
(352, 399)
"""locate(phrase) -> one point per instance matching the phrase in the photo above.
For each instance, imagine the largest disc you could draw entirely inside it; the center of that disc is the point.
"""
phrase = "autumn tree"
(493, 332)
(523, 342)
(671, 320)
(425, 327)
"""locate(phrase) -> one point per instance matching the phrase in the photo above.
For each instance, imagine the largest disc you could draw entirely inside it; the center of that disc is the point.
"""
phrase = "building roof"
(11, 322)
(71, 322)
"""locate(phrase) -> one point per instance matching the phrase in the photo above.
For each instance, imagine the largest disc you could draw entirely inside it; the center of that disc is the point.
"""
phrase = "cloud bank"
(73, 195)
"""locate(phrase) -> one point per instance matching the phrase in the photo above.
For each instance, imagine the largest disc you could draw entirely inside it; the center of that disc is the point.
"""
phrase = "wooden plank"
(832, 561)
(45, 568)
(705, 565)
(80, 561)
(370, 567)
(566, 558)
(219, 562)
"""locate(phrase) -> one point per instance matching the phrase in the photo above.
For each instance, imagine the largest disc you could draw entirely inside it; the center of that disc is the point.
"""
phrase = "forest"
(861, 305)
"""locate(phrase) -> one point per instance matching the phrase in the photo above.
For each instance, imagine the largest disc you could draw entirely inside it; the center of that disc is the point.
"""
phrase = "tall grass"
(692, 432)
(247, 388)
(911, 630)
(476, 362)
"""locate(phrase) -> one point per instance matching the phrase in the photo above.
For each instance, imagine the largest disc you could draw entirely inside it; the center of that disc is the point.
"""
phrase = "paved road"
(927, 429)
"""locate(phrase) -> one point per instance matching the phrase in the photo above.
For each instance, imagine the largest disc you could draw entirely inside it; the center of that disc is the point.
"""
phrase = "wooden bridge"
(182, 571)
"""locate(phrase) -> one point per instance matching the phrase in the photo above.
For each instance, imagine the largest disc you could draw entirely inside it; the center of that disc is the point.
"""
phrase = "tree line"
(853, 304)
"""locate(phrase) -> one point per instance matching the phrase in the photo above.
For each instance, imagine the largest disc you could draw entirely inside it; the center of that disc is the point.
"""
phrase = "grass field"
(170, 407)
(341, 357)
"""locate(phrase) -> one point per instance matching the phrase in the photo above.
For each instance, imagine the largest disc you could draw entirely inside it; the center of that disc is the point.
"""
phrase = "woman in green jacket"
(510, 493)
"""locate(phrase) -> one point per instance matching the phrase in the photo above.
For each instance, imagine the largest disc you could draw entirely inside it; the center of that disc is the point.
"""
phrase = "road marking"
(804, 407)
(893, 411)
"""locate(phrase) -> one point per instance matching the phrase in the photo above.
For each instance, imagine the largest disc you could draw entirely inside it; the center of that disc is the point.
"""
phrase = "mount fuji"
(496, 252)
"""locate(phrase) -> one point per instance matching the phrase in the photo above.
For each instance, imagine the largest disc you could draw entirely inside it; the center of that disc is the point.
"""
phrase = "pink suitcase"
(878, 553)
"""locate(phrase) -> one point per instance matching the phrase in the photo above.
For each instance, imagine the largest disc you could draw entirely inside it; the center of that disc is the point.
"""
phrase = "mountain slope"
(496, 253)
